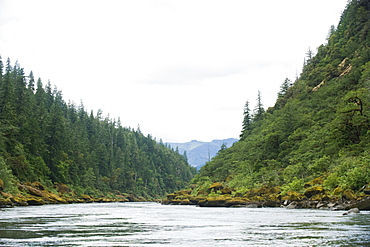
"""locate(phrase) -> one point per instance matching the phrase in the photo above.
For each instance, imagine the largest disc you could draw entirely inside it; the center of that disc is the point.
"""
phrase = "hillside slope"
(45, 139)
(317, 136)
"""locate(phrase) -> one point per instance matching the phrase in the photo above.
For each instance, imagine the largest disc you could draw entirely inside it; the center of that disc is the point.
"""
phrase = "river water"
(153, 224)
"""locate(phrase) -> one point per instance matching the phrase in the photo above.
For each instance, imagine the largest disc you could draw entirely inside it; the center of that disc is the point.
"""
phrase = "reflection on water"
(141, 224)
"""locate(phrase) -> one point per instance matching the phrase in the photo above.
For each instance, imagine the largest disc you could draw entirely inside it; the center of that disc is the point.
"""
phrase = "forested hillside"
(317, 133)
(45, 139)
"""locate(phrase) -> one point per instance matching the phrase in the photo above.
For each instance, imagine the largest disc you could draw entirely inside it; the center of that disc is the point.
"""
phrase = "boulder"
(62, 188)
(171, 196)
(30, 190)
(55, 198)
(215, 187)
(253, 205)
(314, 190)
(292, 205)
(348, 195)
(363, 204)
(217, 201)
(38, 186)
(226, 190)
(196, 199)
(5, 202)
(322, 205)
(87, 198)
(35, 201)
(352, 211)
(293, 196)
(236, 202)
(270, 204)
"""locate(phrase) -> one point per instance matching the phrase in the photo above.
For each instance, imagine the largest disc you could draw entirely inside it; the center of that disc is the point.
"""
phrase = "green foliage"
(7, 177)
(320, 124)
(295, 185)
(42, 138)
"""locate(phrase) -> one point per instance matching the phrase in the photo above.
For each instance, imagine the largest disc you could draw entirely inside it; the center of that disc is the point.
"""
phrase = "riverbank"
(315, 197)
(37, 194)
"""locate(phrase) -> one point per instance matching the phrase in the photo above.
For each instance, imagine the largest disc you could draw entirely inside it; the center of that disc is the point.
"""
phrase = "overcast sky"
(182, 70)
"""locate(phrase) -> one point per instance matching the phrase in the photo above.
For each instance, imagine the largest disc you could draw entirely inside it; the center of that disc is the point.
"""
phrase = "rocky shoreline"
(314, 197)
(32, 194)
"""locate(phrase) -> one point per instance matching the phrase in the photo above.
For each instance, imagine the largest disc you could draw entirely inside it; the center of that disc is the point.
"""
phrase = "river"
(153, 224)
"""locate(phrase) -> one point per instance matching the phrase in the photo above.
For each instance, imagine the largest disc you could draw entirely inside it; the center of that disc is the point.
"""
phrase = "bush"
(7, 177)
(295, 185)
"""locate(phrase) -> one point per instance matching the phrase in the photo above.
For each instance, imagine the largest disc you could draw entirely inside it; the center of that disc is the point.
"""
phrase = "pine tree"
(7, 112)
(1, 69)
(258, 110)
(247, 121)
(31, 82)
(284, 87)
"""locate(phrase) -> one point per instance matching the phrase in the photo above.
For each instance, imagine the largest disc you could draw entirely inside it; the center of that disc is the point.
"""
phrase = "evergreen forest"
(318, 131)
(46, 140)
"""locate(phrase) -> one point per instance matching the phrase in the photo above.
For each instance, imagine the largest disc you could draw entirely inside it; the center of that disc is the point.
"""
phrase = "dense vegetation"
(319, 126)
(45, 139)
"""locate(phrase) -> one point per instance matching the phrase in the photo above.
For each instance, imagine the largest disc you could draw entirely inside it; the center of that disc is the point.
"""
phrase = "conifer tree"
(1, 69)
(258, 110)
(247, 121)
(7, 113)
(284, 87)
(31, 82)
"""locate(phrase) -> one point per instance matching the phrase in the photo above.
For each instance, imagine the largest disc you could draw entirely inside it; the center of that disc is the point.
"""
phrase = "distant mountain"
(199, 153)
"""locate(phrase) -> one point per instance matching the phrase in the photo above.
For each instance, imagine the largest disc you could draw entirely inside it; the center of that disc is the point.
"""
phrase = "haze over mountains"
(199, 153)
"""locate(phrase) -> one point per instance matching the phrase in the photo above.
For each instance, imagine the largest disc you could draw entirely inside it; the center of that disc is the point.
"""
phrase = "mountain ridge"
(199, 152)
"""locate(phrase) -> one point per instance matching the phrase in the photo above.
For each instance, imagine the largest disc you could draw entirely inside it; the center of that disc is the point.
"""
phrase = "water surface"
(153, 224)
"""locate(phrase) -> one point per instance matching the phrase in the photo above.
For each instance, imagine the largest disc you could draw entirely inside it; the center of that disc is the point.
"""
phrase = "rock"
(171, 196)
(87, 198)
(38, 186)
(30, 190)
(215, 187)
(55, 198)
(270, 204)
(352, 211)
(315, 190)
(363, 204)
(340, 207)
(316, 181)
(292, 205)
(6, 202)
(308, 204)
(196, 199)
(348, 195)
(218, 201)
(236, 202)
(293, 196)
(226, 190)
(62, 188)
(321, 205)
(35, 202)
(253, 205)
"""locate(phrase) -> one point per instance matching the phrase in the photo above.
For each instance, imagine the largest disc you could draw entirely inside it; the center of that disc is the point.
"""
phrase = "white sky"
(182, 70)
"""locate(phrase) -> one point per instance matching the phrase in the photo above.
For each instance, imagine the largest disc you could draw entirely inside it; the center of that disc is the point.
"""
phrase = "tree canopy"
(43, 138)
